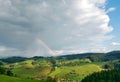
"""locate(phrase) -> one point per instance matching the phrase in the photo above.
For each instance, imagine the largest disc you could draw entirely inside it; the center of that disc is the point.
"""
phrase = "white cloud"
(111, 9)
(2, 49)
(45, 27)
(115, 44)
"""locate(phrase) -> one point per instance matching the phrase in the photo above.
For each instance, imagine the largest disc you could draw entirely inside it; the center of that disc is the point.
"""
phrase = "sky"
(58, 27)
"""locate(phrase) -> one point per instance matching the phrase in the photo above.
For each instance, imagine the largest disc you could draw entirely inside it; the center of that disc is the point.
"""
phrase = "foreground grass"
(4, 78)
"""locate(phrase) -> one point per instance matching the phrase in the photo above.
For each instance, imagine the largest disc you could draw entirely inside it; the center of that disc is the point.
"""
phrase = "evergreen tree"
(104, 76)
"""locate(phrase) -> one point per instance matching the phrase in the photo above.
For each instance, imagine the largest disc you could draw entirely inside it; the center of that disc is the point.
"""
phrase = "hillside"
(74, 73)
(31, 69)
(113, 55)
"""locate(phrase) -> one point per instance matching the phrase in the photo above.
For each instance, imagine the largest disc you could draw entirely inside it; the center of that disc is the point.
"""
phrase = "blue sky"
(58, 27)
(114, 20)
(115, 16)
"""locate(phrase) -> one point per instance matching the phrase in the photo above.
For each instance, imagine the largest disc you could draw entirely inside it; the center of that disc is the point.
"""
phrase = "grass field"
(4, 78)
(76, 72)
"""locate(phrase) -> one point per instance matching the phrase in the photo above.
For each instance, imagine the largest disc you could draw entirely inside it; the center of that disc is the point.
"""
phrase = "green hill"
(75, 72)
(32, 69)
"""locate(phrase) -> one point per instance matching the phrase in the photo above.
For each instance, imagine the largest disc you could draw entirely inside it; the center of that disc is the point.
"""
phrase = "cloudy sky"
(58, 27)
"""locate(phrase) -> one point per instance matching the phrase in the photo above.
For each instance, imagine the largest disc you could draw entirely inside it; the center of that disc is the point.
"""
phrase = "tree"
(6, 71)
(2, 70)
(1, 63)
(9, 73)
(104, 76)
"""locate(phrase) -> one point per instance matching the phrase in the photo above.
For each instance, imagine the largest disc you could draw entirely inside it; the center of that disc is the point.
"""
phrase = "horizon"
(60, 55)
(56, 27)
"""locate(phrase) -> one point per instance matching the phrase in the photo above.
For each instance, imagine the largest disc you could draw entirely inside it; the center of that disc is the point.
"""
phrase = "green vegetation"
(6, 71)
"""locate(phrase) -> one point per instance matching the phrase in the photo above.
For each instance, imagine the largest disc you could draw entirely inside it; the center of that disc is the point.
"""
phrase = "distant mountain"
(100, 56)
(93, 56)
(112, 55)
(77, 56)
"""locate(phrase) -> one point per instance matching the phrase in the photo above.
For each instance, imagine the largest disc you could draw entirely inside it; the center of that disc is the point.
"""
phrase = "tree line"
(5, 71)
